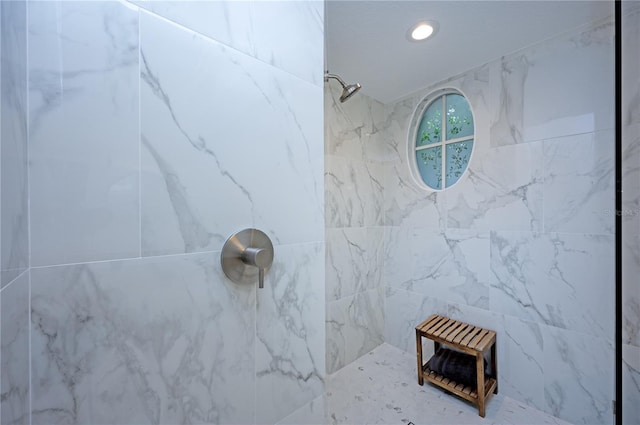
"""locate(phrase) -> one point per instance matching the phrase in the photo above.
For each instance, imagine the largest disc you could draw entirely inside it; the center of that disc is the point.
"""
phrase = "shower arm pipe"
(334, 76)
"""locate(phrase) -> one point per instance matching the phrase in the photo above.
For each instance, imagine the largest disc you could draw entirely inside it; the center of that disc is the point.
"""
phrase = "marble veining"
(290, 332)
(247, 26)
(525, 82)
(554, 279)
(631, 384)
(186, 153)
(451, 265)
(354, 129)
(14, 250)
(579, 183)
(578, 386)
(503, 191)
(83, 102)
(157, 341)
(355, 325)
(630, 63)
(381, 388)
(353, 193)
(353, 261)
(14, 345)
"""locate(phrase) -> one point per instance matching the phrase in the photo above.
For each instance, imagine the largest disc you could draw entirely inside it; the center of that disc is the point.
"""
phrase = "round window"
(442, 147)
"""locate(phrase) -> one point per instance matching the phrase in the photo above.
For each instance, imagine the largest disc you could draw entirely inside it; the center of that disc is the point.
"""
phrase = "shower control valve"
(243, 253)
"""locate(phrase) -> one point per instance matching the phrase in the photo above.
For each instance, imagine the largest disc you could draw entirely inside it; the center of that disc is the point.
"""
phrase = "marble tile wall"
(524, 243)
(14, 247)
(354, 157)
(14, 216)
(152, 140)
(631, 211)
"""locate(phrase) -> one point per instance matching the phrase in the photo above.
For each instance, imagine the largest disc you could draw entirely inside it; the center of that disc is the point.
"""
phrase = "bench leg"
(419, 356)
(494, 366)
(480, 379)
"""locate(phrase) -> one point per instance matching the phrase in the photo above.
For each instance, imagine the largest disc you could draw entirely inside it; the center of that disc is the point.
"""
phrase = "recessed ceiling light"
(422, 30)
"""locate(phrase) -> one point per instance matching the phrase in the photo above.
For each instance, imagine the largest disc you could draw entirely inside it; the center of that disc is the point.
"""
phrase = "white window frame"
(415, 123)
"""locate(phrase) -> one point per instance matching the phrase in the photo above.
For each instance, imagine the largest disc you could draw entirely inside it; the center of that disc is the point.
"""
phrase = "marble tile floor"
(382, 388)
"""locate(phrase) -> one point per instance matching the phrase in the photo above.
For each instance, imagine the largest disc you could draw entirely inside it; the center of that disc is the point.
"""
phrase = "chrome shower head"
(347, 90)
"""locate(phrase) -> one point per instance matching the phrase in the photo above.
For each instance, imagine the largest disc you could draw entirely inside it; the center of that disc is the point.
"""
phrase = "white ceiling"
(366, 40)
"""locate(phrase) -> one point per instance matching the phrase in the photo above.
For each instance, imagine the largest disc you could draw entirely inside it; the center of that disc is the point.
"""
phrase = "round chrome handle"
(246, 255)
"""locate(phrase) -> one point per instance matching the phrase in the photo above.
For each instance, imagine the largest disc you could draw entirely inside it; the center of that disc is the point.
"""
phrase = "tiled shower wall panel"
(524, 242)
(152, 141)
(354, 153)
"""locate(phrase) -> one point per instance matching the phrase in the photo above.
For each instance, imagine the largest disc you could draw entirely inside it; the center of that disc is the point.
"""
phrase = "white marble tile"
(290, 332)
(527, 82)
(14, 352)
(381, 388)
(579, 183)
(630, 63)
(578, 376)
(631, 234)
(83, 131)
(630, 285)
(13, 138)
(630, 384)
(408, 205)
(353, 193)
(227, 142)
(354, 261)
(354, 129)
(404, 310)
(355, 325)
(295, 44)
(562, 280)
(163, 341)
(452, 265)
(312, 413)
(503, 191)
(521, 361)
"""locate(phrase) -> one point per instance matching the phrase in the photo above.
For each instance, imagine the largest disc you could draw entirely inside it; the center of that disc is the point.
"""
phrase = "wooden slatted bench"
(468, 339)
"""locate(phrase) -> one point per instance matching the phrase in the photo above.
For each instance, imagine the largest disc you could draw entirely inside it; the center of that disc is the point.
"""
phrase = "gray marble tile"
(451, 265)
(14, 258)
(631, 234)
(579, 185)
(158, 341)
(290, 330)
(294, 45)
(561, 280)
(578, 376)
(503, 191)
(527, 80)
(312, 413)
(208, 164)
(355, 325)
(354, 129)
(404, 310)
(521, 369)
(353, 193)
(630, 63)
(630, 384)
(83, 131)
(354, 260)
(14, 352)
(381, 388)
(407, 204)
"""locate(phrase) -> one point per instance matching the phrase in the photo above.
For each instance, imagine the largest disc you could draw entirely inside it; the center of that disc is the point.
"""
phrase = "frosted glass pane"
(430, 166)
(457, 159)
(430, 129)
(459, 118)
